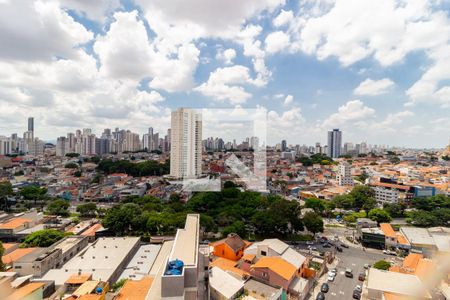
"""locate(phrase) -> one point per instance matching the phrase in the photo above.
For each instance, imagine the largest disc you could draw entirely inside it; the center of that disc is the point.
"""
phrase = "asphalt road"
(353, 257)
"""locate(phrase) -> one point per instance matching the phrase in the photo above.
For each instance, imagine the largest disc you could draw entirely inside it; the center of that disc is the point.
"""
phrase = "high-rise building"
(5, 145)
(186, 144)
(31, 124)
(344, 176)
(334, 143)
(283, 146)
(61, 146)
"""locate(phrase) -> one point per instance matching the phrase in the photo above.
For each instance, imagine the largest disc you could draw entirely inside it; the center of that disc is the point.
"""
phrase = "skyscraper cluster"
(118, 141)
(27, 144)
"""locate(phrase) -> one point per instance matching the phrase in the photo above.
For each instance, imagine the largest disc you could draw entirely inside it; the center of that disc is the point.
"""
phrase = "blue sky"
(379, 70)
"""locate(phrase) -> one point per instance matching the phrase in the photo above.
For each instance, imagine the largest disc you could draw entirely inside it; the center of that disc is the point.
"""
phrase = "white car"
(358, 288)
(330, 278)
(332, 273)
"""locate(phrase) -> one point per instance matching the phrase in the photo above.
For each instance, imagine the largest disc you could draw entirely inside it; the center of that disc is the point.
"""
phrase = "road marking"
(341, 292)
(353, 264)
(333, 294)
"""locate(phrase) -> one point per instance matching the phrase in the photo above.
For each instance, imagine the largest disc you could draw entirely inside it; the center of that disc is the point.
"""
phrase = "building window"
(263, 253)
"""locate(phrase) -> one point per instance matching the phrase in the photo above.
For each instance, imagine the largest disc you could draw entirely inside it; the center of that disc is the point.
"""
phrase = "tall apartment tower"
(334, 143)
(344, 176)
(186, 144)
(31, 124)
(283, 146)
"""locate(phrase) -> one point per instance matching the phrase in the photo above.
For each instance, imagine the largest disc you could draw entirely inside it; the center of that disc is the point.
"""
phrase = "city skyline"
(387, 83)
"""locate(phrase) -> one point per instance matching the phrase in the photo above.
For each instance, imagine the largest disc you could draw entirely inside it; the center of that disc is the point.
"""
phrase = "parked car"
(362, 276)
(356, 295)
(320, 296)
(367, 266)
(326, 245)
(358, 288)
(331, 278)
(332, 273)
(309, 243)
(339, 249)
(344, 245)
(325, 287)
(312, 248)
(349, 273)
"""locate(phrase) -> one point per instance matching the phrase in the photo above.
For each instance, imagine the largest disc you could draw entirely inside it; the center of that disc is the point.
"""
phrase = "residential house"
(232, 247)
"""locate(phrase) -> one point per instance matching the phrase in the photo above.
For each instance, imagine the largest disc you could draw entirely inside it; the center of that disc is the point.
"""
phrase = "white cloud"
(429, 88)
(288, 100)
(276, 41)
(39, 30)
(126, 53)
(351, 113)
(284, 18)
(227, 56)
(93, 10)
(226, 84)
(392, 120)
(371, 87)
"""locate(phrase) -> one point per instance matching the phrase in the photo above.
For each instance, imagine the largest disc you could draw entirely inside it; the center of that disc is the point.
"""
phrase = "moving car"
(325, 287)
(349, 273)
(320, 296)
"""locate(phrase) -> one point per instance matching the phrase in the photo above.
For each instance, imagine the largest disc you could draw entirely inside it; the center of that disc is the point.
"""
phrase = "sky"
(378, 70)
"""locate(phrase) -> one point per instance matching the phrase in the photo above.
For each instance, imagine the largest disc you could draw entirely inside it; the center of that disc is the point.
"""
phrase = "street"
(353, 257)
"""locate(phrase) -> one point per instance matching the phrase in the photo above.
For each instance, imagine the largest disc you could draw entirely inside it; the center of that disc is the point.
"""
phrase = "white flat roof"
(185, 245)
(416, 235)
(224, 283)
(141, 263)
(100, 259)
(397, 283)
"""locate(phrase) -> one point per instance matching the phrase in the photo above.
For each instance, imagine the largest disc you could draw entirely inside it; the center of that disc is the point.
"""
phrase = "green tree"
(237, 227)
(71, 165)
(343, 201)
(313, 222)
(361, 195)
(87, 209)
(42, 238)
(228, 184)
(5, 191)
(395, 210)
(2, 251)
(33, 192)
(119, 218)
(422, 218)
(379, 215)
(382, 265)
(58, 207)
(316, 204)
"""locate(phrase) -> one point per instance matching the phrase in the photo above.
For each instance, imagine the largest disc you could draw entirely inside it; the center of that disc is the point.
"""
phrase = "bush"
(382, 265)
(71, 165)
(42, 238)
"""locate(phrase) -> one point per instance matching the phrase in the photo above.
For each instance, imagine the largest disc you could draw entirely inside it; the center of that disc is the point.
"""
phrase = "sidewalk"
(316, 288)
